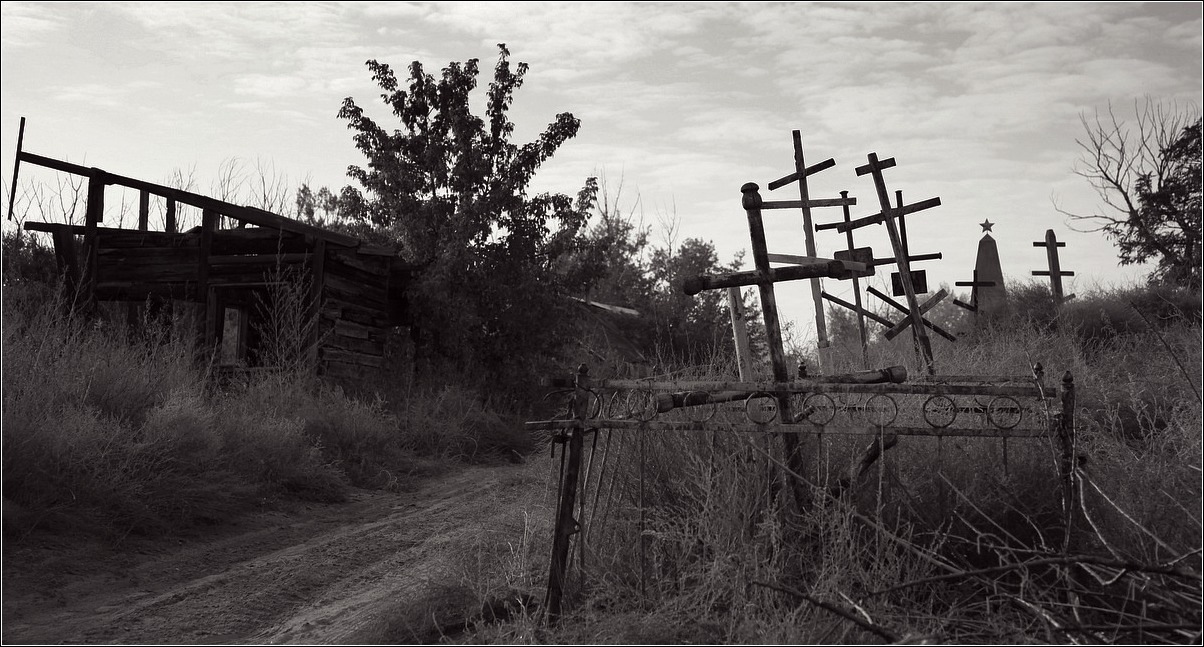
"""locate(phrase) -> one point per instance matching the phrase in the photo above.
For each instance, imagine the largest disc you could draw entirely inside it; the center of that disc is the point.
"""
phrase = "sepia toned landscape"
(444, 403)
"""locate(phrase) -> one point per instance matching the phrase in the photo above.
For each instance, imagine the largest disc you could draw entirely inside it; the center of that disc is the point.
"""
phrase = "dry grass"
(104, 434)
(689, 537)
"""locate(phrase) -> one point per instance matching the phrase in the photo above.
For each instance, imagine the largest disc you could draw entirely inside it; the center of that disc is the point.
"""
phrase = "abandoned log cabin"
(223, 279)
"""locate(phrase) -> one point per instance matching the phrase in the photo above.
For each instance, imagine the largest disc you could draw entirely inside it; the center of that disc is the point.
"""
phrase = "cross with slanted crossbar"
(973, 285)
(887, 216)
(1055, 272)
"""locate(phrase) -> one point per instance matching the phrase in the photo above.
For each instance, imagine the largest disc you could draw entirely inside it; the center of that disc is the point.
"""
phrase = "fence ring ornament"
(940, 411)
(641, 405)
(820, 408)
(698, 408)
(1004, 412)
(597, 405)
(761, 419)
(880, 410)
(617, 406)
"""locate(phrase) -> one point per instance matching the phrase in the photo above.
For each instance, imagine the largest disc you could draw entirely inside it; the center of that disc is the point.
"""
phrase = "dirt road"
(375, 569)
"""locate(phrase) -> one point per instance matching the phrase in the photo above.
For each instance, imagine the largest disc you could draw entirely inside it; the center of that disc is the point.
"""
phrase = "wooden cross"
(1055, 272)
(852, 251)
(973, 285)
(865, 254)
(931, 303)
(805, 203)
(764, 277)
(887, 216)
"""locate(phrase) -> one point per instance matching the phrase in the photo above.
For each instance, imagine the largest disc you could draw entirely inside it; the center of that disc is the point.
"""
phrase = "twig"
(875, 629)
(1047, 561)
(1150, 533)
(1175, 357)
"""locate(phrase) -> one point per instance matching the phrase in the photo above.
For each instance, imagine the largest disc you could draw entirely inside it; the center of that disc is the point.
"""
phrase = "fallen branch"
(875, 629)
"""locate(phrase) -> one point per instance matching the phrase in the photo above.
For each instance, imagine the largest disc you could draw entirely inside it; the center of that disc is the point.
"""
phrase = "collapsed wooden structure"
(225, 279)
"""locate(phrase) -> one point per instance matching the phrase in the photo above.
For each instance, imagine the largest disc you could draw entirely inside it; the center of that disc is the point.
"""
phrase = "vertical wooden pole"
(93, 215)
(131, 312)
(901, 260)
(566, 526)
(1066, 433)
(143, 210)
(848, 234)
(169, 216)
(751, 202)
(821, 325)
(740, 335)
(207, 303)
(12, 190)
(1055, 272)
(915, 334)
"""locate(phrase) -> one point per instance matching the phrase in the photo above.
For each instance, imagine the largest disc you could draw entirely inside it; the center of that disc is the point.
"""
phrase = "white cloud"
(24, 25)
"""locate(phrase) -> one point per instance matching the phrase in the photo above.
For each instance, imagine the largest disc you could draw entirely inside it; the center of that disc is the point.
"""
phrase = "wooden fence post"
(740, 335)
(1066, 436)
(566, 526)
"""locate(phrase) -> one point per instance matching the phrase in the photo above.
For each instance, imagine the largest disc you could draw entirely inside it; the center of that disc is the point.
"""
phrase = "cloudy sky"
(680, 103)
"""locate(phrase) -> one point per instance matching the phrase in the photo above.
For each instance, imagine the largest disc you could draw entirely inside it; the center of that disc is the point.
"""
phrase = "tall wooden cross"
(805, 204)
(1055, 272)
(887, 216)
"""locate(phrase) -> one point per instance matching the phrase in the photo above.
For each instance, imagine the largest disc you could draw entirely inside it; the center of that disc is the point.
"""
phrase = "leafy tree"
(1149, 181)
(452, 189)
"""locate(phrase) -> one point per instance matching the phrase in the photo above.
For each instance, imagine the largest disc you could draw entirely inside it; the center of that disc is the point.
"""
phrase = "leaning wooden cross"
(1055, 271)
(888, 216)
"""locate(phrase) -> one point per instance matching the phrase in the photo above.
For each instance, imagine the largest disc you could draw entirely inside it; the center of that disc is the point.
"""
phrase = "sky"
(979, 104)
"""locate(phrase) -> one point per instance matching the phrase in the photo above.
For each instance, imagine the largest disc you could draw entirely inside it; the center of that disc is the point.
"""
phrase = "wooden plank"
(372, 296)
(355, 344)
(875, 168)
(811, 170)
(1015, 391)
(257, 260)
(842, 227)
(150, 254)
(355, 330)
(370, 265)
(744, 361)
(351, 357)
(12, 192)
(257, 240)
(810, 203)
(924, 307)
(143, 210)
(109, 271)
(169, 217)
(768, 276)
(336, 309)
(93, 215)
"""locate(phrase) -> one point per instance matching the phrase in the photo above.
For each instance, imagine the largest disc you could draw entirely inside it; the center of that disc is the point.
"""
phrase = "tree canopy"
(451, 188)
(1148, 178)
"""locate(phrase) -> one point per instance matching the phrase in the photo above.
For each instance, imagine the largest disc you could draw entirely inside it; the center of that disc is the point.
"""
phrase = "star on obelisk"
(986, 225)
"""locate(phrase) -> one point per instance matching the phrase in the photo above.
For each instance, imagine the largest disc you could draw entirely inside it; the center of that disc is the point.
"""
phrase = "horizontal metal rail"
(771, 427)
